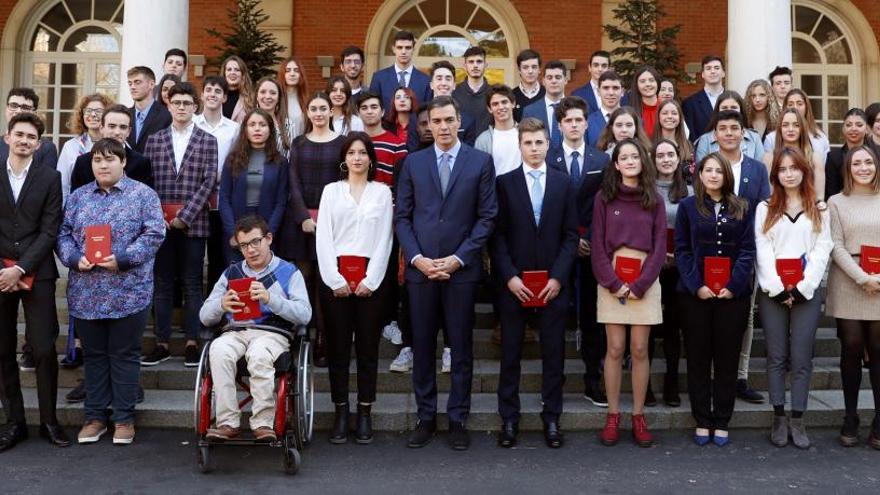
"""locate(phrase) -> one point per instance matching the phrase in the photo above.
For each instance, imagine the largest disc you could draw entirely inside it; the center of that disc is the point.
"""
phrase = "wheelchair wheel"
(305, 393)
(203, 458)
(292, 461)
(203, 395)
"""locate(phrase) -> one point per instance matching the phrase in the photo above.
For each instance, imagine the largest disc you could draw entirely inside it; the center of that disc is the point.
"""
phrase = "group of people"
(377, 211)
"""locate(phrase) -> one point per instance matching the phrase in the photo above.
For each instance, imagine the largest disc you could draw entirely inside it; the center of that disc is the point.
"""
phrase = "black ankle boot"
(670, 391)
(340, 424)
(363, 433)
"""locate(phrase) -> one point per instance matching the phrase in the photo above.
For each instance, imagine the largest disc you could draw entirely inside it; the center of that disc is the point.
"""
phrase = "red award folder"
(26, 282)
(627, 269)
(169, 210)
(716, 272)
(98, 243)
(353, 269)
(869, 259)
(535, 281)
(670, 241)
(790, 270)
(251, 308)
(313, 214)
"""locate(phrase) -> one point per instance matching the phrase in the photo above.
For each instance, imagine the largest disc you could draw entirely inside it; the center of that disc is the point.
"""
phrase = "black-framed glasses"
(253, 243)
(16, 107)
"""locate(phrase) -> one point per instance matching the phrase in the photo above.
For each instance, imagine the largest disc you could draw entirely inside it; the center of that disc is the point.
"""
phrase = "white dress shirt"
(17, 181)
(407, 76)
(737, 172)
(350, 228)
(595, 88)
(180, 140)
(226, 132)
(566, 151)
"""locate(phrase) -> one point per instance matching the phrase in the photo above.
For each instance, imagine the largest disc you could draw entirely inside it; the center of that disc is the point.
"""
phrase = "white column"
(150, 28)
(758, 39)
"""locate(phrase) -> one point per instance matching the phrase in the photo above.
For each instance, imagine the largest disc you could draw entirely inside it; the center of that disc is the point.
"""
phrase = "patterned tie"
(445, 172)
(537, 194)
(401, 79)
(575, 167)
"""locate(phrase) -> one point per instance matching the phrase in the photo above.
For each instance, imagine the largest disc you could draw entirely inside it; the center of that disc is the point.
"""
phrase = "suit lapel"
(522, 189)
(28, 181)
(435, 173)
(457, 169)
(6, 186)
(195, 140)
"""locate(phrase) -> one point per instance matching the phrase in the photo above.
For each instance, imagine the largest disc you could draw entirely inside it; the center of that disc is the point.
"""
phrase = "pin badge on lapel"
(558, 159)
(745, 179)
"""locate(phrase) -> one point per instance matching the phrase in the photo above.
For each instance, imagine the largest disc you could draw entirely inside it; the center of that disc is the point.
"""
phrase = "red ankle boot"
(640, 432)
(611, 433)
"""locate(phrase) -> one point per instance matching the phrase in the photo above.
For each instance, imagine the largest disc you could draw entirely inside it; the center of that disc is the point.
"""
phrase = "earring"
(343, 167)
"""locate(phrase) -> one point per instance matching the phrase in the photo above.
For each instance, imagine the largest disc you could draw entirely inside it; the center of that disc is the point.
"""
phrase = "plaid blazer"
(196, 181)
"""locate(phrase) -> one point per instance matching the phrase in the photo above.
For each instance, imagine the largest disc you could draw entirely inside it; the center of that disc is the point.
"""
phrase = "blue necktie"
(401, 79)
(575, 167)
(555, 136)
(140, 124)
(537, 195)
(445, 172)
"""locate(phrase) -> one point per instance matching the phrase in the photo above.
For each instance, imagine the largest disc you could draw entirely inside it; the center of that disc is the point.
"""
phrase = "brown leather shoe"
(265, 434)
(222, 433)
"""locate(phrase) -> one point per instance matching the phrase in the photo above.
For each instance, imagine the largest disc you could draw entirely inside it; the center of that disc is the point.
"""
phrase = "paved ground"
(163, 461)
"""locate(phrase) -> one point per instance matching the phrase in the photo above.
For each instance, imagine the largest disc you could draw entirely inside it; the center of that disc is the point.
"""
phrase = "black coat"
(137, 167)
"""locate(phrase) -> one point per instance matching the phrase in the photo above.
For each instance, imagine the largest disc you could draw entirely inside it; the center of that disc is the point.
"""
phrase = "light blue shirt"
(452, 154)
(137, 120)
(751, 145)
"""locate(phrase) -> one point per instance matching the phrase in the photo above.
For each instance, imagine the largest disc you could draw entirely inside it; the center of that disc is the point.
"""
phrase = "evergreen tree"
(259, 49)
(641, 42)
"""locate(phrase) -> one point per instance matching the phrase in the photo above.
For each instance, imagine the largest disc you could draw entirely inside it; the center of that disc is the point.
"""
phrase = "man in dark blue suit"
(610, 93)
(697, 108)
(585, 167)
(445, 213)
(443, 84)
(600, 62)
(402, 74)
(536, 230)
(555, 76)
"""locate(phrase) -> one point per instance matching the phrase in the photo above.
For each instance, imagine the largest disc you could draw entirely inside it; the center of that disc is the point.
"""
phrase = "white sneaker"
(447, 361)
(403, 362)
(392, 333)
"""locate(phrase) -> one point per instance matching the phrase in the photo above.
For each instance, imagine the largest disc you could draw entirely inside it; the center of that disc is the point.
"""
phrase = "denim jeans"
(182, 255)
(111, 356)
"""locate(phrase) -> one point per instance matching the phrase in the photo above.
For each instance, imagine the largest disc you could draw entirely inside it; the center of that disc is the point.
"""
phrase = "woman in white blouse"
(793, 242)
(85, 123)
(354, 220)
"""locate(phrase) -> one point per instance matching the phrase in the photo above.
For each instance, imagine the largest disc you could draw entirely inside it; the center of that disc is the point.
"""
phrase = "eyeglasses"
(181, 103)
(18, 107)
(254, 243)
(352, 62)
(97, 112)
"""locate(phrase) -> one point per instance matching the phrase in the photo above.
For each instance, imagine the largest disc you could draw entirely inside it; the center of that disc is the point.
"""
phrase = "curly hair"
(76, 124)
(772, 112)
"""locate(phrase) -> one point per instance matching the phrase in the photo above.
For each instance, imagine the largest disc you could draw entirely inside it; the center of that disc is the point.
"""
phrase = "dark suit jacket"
(538, 110)
(754, 183)
(46, 153)
(586, 92)
(384, 84)
(697, 113)
(434, 226)
(232, 200)
(467, 133)
(595, 125)
(137, 167)
(158, 118)
(593, 165)
(29, 226)
(518, 243)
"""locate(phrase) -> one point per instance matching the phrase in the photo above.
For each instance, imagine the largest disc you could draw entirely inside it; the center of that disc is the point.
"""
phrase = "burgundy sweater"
(623, 222)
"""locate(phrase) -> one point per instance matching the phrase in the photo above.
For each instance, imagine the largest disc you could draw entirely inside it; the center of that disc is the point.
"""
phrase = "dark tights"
(856, 337)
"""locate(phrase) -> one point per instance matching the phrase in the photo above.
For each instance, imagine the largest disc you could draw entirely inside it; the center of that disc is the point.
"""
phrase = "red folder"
(353, 269)
(535, 281)
(627, 269)
(869, 259)
(790, 270)
(251, 308)
(670, 241)
(170, 210)
(313, 213)
(716, 272)
(26, 282)
(98, 243)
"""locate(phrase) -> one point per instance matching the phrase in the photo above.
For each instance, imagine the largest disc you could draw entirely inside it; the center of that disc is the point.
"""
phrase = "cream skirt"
(644, 311)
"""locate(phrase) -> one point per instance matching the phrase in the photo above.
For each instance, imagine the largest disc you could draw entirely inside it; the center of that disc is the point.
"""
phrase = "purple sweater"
(623, 222)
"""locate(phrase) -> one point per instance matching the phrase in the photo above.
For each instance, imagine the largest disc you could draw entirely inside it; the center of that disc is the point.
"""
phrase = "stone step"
(396, 412)
(172, 375)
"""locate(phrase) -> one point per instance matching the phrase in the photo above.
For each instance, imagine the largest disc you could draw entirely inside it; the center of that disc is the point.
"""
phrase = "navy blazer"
(158, 118)
(137, 167)
(384, 84)
(754, 183)
(459, 224)
(232, 198)
(595, 125)
(593, 165)
(46, 153)
(697, 111)
(467, 133)
(538, 110)
(518, 243)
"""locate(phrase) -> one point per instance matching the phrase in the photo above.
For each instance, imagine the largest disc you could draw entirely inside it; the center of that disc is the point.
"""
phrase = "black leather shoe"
(459, 438)
(552, 435)
(54, 434)
(363, 433)
(423, 434)
(340, 425)
(11, 434)
(507, 435)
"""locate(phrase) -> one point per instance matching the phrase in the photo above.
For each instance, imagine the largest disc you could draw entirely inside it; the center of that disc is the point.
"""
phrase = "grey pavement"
(163, 461)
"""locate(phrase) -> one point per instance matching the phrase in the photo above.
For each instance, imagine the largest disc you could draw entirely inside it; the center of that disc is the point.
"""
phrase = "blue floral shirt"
(135, 217)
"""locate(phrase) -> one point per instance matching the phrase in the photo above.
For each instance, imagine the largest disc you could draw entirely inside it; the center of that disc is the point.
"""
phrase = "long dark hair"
(635, 94)
(241, 153)
(318, 95)
(684, 146)
(346, 107)
(735, 205)
(391, 112)
(647, 178)
(727, 95)
(350, 139)
(606, 139)
(679, 188)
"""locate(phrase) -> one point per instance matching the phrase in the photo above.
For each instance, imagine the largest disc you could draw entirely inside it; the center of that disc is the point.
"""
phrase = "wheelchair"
(294, 401)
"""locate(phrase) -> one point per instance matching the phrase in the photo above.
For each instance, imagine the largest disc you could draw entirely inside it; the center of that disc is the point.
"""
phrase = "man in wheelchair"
(281, 292)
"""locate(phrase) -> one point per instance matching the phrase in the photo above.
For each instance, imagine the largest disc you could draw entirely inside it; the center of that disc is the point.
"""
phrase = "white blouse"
(71, 150)
(791, 239)
(348, 228)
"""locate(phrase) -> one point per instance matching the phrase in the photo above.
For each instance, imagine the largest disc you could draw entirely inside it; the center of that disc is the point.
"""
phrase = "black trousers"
(551, 321)
(217, 247)
(670, 329)
(592, 334)
(713, 331)
(362, 317)
(41, 323)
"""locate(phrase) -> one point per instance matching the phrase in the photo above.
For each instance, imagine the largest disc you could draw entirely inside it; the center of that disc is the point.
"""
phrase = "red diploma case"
(670, 241)
(251, 308)
(26, 282)
(353, 269)
(627, 269)
(716, 272)
(869, 259)
(535, 281)
(313, 214)
(98, 243)
(169, 210)
(790, 270)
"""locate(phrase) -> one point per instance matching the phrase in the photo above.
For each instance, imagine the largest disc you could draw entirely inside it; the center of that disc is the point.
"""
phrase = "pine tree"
(641, 42)
(259, 49)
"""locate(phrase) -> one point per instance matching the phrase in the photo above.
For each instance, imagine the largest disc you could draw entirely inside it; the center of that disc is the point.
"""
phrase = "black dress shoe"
(340, 424)
(552, 435)
(54, 434)
(459, 438)
(422, 435)
(11, 434)
(507, 435)
(363, 433)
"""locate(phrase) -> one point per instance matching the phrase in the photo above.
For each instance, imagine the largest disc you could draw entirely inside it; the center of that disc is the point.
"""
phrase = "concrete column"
(758, 39)
(150, 28)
